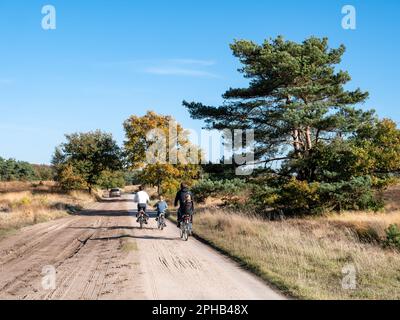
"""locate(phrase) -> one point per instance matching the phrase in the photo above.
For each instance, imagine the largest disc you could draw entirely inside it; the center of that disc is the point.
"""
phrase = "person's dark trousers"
(159, 212)
(179, 213)
(158, 216)
(141, 206)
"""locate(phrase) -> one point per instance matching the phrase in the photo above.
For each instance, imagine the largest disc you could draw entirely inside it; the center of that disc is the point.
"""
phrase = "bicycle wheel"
(185, 234)
(141, 223)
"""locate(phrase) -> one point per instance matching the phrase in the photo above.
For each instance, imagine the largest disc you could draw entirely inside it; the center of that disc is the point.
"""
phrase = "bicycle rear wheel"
(185, 235)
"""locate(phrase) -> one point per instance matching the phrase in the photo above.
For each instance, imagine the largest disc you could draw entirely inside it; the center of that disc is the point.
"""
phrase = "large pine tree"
(295, 100)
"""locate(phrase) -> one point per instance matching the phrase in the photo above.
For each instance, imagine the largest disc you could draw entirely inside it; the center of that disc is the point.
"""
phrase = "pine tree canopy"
(296, 98)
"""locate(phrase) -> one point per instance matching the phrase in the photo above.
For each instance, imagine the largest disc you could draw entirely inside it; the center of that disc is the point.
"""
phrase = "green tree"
(44, 172)
(319, 150)
(70, 178)
(295, 100)
(377, 148)
(111, 179)
(89, 154)
(131, 177)
(219, 171)
(13, 170)
(326, 162)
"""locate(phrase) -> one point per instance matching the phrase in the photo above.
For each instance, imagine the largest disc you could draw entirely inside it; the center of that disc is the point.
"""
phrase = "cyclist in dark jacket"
(180, 199)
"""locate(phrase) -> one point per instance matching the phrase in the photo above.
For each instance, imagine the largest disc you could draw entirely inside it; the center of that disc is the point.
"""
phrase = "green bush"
(263, 196)
(355, 194)
(218, 188)
(393, 237)
(301, 197)
(298, 197)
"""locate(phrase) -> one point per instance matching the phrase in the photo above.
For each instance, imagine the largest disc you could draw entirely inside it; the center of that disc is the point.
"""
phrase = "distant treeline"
(13, 170)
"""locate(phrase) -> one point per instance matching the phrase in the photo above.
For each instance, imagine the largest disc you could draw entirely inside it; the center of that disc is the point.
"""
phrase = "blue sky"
(110, 59)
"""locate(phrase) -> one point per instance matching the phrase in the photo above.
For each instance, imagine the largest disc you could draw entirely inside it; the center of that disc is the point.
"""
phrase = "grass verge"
(307, 259)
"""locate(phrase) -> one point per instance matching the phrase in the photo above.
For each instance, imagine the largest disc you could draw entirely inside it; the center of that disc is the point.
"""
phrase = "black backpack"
(183, 195)
(188, 207)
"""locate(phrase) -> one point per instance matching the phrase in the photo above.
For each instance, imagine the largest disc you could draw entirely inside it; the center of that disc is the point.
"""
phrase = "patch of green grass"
(7, 232)
(129, 245)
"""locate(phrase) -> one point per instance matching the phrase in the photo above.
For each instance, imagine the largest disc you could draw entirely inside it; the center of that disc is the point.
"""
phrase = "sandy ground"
(102, 254)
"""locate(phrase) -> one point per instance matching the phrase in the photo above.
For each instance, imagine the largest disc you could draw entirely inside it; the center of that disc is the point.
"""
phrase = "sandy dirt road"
(102, 254)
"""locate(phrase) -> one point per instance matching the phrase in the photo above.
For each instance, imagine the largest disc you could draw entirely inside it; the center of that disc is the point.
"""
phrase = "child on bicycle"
(161, 206)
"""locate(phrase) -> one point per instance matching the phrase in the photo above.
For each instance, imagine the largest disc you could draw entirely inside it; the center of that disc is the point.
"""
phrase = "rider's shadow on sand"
(111, 200)
(130, 236)
(113, 213)
(122, 236)
(120, 213)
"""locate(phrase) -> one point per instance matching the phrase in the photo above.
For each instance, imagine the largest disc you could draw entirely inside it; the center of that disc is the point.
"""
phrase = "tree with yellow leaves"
(160, 148)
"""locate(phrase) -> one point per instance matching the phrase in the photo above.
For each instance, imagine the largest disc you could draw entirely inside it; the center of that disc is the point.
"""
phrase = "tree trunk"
(296, 142)
(308, 139)
(159, 182)
(317, 136)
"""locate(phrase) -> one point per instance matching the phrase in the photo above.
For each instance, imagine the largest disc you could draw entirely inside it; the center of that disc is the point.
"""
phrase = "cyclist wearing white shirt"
(142, 199)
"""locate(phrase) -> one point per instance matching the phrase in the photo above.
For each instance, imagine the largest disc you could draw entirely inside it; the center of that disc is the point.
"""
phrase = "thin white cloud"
(186, 67)
(176, 71)
(182, 67)
(204, 63)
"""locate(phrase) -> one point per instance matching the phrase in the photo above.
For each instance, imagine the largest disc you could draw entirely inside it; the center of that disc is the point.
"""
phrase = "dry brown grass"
(131, 188)
(391, 197)
(19, 186)
(19, 209)
(368, 226)
(304, 258)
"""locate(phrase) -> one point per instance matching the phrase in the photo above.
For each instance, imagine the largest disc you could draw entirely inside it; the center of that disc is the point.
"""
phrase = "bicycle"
(161, 221)
(141, 218)
(186, 227)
